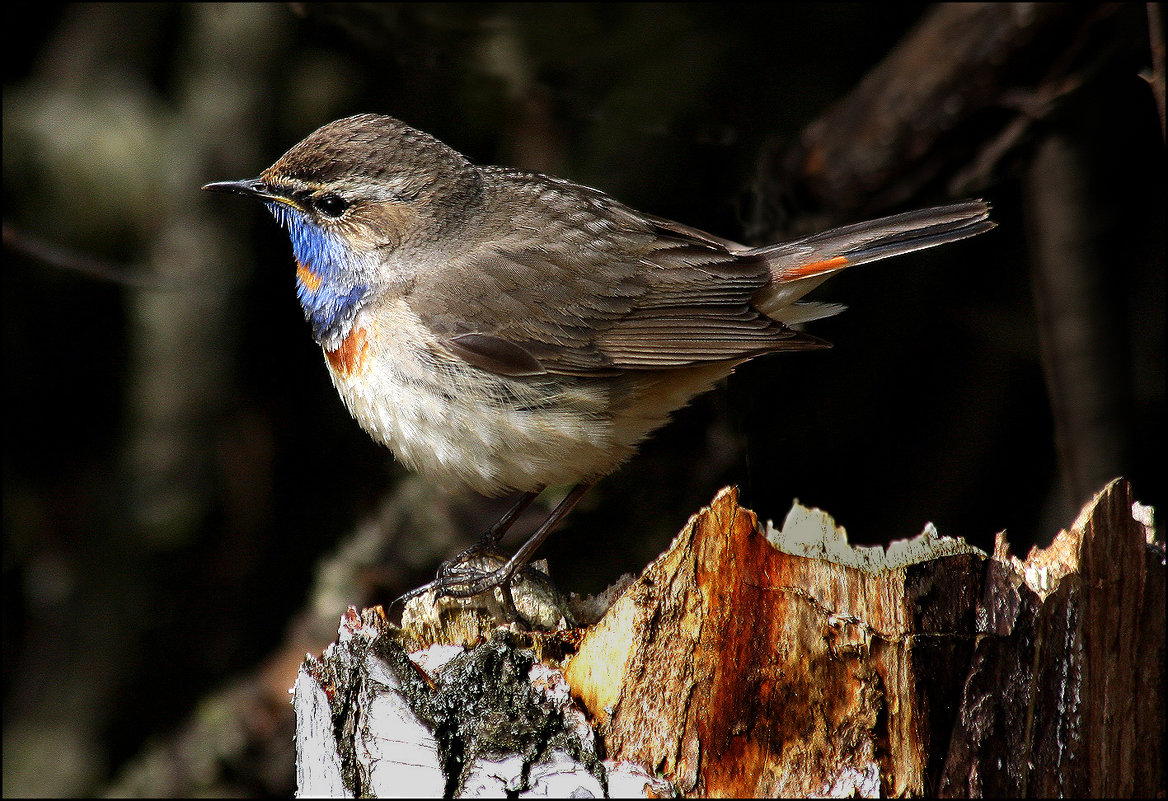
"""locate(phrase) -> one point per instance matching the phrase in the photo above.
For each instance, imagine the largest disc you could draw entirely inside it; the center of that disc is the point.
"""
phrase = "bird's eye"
(332, 205)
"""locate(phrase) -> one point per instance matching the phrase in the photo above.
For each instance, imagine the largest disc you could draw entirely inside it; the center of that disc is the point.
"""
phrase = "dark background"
(177, 463)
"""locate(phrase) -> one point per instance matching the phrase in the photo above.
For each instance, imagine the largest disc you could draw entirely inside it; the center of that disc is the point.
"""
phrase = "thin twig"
(56, 256)
(1155, 77)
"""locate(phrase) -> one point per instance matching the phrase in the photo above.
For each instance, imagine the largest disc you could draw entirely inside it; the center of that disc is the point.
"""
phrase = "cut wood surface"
(754, 661)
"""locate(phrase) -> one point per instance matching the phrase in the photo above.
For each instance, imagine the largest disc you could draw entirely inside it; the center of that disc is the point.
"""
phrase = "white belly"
(459, 425)
(462, 426)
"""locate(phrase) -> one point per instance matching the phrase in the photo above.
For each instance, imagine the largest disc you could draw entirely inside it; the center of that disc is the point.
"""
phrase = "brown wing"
(594, 289)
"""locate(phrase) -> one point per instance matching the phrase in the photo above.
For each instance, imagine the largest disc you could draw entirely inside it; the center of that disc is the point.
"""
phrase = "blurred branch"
(915, 116)
(1083, 357)
(55, 256)
(1155, 78)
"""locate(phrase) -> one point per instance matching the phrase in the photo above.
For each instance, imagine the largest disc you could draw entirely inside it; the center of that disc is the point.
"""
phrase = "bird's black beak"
(253, 187)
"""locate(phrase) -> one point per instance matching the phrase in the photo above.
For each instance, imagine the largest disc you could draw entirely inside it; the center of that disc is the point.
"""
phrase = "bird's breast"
(459, 425)
(350, 359)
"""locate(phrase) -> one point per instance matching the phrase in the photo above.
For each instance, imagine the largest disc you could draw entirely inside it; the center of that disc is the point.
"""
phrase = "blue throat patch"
(330, 302)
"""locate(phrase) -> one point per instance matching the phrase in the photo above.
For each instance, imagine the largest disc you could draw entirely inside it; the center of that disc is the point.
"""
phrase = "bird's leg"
(465, 582)
(466, 586)
(504, 523)
(490, 538)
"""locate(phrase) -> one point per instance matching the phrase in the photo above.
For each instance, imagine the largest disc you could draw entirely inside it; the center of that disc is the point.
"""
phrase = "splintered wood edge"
(807, 532)
(1044, 568)
(813, 533)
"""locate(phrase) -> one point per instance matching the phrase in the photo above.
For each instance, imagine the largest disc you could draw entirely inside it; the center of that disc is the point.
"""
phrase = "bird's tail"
(800, 266)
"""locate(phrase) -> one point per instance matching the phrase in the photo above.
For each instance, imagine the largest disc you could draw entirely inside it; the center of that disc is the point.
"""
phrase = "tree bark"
(750, 661)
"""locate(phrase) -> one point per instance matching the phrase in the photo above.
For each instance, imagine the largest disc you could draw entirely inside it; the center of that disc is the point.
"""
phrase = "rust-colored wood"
(731, 667)
(737, 669)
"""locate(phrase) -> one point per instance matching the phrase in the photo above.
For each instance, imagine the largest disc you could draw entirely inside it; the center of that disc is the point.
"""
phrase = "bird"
(509, 331)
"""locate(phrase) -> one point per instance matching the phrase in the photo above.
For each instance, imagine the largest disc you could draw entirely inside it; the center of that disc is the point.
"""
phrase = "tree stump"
(749, 661)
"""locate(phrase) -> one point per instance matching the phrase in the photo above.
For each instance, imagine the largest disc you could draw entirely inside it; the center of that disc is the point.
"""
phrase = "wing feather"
(618, 291)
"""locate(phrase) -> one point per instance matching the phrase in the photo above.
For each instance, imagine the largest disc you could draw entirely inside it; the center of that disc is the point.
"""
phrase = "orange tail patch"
(814, 268)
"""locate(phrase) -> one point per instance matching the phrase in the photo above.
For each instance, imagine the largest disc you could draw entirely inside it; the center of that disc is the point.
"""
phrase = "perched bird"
(506, 330)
